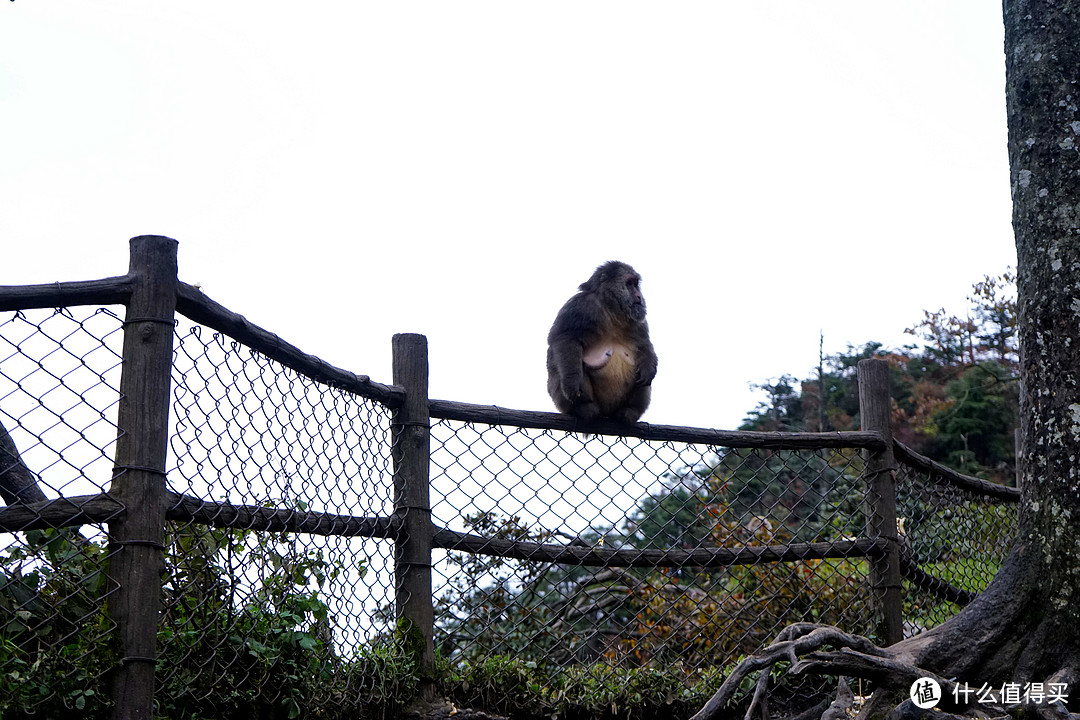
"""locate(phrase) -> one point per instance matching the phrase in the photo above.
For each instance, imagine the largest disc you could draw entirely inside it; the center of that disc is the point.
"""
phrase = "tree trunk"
(1025, 628)
(17, 483)
(1042, 68)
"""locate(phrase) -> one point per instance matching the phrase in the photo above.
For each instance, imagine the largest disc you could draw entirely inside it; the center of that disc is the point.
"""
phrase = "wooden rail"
(196, 306)
(495, 415)
(632, 557)
(949, 476)
(110, 291)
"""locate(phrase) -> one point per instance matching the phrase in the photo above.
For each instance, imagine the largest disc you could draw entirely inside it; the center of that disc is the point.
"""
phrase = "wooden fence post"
(136, 540)
(875, 411)
(411, 438)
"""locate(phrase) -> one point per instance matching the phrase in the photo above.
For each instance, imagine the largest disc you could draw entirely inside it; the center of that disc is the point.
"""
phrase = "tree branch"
(17, 483)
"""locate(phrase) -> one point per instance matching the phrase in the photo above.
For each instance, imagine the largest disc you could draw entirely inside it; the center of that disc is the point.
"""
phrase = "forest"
(954, 388)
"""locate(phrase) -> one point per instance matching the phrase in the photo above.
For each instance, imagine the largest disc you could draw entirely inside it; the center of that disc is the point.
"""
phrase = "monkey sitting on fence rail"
(600, 360)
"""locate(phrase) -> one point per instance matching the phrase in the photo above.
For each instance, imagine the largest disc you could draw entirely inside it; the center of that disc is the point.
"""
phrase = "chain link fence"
(638, 495)
(271, 619)
(954, 537)
(279, 597)
(59, 384)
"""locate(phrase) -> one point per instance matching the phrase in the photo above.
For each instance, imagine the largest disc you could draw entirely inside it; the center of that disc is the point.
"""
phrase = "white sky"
(340, 172)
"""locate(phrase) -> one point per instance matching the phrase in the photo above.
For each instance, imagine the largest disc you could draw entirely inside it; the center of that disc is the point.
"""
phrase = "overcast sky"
(340, 172)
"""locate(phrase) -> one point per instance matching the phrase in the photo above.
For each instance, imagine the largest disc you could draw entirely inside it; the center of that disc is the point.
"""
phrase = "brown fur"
(600, 360)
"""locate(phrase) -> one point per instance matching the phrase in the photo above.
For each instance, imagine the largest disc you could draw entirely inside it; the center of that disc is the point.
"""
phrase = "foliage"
(782, 407)
(527, 689)
(695, 616)
(495, 605)
(955, 396)
(975, 431)
(54, 650)
(962, 543)
(656, 618)
(224, 645)
(264, 650)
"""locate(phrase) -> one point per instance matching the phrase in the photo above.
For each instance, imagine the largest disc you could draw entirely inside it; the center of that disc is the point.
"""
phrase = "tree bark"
(17, 483)
(1026, 626)
(1042, 41)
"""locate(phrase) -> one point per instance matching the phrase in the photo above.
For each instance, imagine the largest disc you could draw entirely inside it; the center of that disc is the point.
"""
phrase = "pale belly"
(611, 369)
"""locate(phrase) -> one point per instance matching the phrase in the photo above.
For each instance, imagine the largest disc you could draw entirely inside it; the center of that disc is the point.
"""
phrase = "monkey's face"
(633, 300)
(619, 286)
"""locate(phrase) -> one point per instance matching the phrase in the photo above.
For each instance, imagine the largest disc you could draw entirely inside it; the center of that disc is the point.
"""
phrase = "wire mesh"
(59, 389)
(257, 622)
(626, 493)
(297, 620)
(954, 535)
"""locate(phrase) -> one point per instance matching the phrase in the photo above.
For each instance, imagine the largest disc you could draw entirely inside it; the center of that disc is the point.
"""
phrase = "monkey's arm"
(646, 366)
(574, 329)
(566, 359)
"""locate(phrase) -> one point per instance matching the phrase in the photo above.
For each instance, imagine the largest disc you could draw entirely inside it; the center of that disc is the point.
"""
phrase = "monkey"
(600, 360)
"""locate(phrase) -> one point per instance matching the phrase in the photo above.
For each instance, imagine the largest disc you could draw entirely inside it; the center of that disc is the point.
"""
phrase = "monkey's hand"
(578, 390)
(573, 388)
(646, 371)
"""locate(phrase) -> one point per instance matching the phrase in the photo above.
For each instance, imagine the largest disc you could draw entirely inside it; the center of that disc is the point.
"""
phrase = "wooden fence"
(139, 502)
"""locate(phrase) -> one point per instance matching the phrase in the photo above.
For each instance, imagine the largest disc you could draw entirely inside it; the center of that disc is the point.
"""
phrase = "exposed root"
(884, 671)
(840, 707)
(826, 650)
(803, 646)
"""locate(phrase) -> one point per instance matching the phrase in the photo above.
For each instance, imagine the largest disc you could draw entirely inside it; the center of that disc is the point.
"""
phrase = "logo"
(925, 693)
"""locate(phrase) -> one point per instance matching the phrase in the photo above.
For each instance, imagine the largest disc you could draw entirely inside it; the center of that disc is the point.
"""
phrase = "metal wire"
(307, 620)
(59, 389)
(956, 536)
(250, 431)
(634, 494)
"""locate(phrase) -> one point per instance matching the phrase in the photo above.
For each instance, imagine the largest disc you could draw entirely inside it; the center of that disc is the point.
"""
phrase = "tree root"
(826, 650)
(794, 640)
